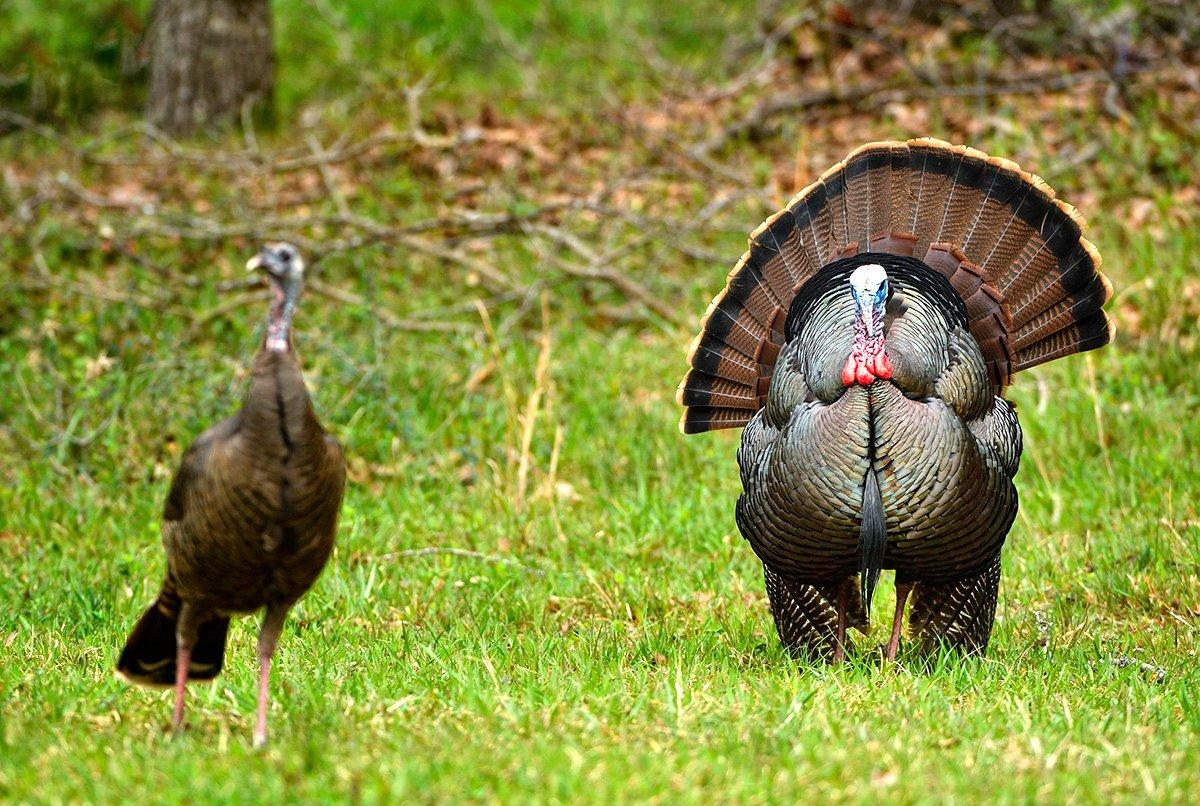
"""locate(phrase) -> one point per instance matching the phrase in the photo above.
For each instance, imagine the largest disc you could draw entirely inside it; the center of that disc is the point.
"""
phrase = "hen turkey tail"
(148, 658)
(1014, 253)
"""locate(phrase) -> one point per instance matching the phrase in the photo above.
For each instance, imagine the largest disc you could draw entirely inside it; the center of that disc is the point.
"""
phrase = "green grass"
(612, 641)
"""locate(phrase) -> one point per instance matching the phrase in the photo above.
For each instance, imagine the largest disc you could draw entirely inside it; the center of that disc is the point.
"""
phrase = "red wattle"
(881, 366)
(866, 370)
(848, 371)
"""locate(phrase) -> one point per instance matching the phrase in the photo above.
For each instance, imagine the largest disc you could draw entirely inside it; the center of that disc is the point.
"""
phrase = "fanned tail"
(1013, 252)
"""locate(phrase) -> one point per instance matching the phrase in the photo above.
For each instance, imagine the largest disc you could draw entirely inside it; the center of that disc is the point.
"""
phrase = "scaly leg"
(186, 632)
(183, 656)
(268, 639)
(839, 641)
(902, 591)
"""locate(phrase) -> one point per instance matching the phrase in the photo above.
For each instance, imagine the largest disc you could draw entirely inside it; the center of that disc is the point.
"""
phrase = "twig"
(412, 97)
(885, 92)
(385, 316)
(494, 276)
(429, 551)
(339, 201)
(622, 283)
(221, 309)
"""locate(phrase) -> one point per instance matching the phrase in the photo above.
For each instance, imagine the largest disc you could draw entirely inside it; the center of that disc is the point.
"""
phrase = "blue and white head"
(869, 286)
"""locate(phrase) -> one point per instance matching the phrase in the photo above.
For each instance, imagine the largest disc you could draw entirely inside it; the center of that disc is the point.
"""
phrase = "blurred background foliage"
(66, 61)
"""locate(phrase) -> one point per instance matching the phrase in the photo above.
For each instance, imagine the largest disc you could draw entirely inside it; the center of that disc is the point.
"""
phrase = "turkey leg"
(839, 641)
(902, 591)
(186, 632)
(268, 639)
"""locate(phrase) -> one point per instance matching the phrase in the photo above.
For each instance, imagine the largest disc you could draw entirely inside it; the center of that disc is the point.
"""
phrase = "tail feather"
(1096, 330)
(741, 334)
(989, 220)
(1079, 275)
(856, 203)
(718, 392)
(969, 196)
(778, 236)
(814, 233)
(698, 420)
(148, 658)
(1031, 281)
(875, 183)
(1001, 232)
(934, 186)
(1063, 313)
(833, 184)
(777, 285)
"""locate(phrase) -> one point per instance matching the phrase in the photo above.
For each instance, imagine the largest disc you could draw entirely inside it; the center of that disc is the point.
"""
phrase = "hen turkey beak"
(255, 263)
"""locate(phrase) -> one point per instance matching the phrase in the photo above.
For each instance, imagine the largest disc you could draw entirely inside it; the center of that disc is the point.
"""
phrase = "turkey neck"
(285, 295)
(278, 416)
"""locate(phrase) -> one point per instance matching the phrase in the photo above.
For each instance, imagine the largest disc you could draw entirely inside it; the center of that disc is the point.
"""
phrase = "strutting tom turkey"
(864, 342)
(250, 517)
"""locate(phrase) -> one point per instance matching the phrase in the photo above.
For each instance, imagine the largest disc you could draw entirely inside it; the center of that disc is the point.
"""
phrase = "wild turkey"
(864, 341)
(250, 518)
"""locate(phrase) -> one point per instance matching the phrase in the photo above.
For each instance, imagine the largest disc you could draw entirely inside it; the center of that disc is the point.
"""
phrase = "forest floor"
(518, 215)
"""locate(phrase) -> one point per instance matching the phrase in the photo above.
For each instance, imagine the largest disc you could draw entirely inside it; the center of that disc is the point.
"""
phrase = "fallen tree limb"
(883, 92)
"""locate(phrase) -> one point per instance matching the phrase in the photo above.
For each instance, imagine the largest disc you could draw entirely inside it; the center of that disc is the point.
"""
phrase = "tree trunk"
(208, 58)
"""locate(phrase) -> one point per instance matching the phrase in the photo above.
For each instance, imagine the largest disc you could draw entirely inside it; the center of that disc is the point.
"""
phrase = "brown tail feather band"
(1015, 253)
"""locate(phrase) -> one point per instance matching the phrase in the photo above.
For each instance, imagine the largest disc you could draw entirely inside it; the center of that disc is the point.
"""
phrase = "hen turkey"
(865, 340)
(250, 518)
